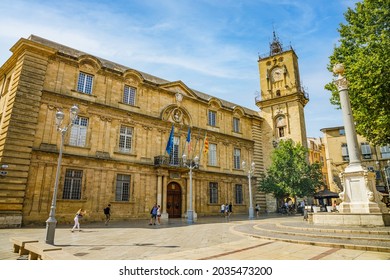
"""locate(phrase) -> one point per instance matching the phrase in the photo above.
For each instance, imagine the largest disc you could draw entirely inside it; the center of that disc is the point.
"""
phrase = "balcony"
(175, 163)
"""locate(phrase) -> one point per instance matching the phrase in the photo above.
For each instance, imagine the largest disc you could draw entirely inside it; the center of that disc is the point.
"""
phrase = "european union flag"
(188, 141)
(189, 135)
(170, 142)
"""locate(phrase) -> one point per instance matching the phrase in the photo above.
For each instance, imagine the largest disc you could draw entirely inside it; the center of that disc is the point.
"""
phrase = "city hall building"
(115, 152)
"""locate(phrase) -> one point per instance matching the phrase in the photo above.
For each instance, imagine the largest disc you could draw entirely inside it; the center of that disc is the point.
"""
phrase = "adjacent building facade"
(376, 159)
(316, 149)
(115, 151)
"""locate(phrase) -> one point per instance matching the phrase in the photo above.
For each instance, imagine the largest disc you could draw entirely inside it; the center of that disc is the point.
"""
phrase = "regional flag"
(189, 140)
(206, 145)
(170, 141)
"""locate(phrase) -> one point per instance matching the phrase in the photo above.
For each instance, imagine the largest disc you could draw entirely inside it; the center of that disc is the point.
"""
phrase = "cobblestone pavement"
(210, 238)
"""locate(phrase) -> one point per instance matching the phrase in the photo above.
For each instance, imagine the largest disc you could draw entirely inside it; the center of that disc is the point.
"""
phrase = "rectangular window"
(213, 192)
(237, 159)
(238, 194)
(72, 185)
(84, 83)
(212, 118)
(78, 133)
(129, 95)
(174, 156)
(366, 150)
(341, 132)
(385, 151)
(213, 154)
(125, 139)
(236, 124)
(122, 191)
(344, 152)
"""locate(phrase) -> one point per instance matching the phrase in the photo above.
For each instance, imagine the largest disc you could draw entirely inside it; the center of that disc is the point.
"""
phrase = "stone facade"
(42, 77)
(115, 152)
(376, 159)
(282, 101)
(317, 154)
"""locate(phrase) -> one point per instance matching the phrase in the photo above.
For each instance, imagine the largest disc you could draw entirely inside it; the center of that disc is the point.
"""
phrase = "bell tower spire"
(275, 46)
(282, 99)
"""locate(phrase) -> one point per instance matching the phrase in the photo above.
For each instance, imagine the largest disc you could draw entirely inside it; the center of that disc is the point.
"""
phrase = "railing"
(166, 161)
(302, 89)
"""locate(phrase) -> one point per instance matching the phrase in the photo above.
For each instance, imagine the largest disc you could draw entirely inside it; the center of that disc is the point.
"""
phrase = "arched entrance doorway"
(174, 200)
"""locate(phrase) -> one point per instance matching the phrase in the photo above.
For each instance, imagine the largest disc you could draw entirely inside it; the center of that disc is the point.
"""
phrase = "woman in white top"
(159, 214)
(76, 219)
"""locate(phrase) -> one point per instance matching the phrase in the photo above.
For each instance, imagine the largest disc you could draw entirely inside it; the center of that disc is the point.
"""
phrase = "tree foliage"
(364, 50)
(290, 173)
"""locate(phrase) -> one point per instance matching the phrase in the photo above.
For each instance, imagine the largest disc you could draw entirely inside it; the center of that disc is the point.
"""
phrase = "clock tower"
(282, 99)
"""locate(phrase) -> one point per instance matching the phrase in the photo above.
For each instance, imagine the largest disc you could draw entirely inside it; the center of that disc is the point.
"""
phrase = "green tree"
(290, 173)
(364, 50)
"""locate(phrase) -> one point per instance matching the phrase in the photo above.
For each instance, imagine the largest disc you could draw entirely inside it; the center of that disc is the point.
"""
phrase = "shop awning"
(326, 194)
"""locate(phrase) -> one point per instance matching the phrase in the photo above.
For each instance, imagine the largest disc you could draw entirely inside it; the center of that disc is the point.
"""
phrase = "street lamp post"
(193, 163)
(250, 170)
(51, 221)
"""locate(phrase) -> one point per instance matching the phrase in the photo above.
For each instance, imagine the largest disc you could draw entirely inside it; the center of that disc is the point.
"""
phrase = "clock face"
(277, 74)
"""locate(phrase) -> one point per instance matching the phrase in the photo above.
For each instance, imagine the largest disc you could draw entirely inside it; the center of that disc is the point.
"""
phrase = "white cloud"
(212, 46)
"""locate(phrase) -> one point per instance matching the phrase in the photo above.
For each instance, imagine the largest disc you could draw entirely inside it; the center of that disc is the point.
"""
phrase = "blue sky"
(210, 45)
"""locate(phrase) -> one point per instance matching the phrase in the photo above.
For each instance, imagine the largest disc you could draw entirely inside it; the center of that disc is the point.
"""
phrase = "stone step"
(369, 239)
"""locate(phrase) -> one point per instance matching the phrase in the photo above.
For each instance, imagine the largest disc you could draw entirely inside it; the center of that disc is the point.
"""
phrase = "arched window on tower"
(281, 126)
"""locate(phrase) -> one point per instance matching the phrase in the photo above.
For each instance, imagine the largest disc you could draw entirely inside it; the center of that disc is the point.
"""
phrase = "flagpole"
(197, 140)
(201, 151)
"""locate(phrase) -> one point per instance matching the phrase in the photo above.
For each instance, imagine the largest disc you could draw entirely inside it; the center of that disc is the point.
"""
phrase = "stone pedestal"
(360, 194)
(194, 214)
(350, 219)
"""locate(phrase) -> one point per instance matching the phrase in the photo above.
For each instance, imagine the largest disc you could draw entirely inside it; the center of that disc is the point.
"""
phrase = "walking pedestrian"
(158, 214)
(257, 209)
(107, 212)
(153, 215)
(223, 209)
(77, 218)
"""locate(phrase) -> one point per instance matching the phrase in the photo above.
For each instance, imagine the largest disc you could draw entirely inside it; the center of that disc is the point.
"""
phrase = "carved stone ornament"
(370, 196)
(179, 97)
(52, 107)
(341, 82)
(341, 196)
(177, 115)
(105, 119)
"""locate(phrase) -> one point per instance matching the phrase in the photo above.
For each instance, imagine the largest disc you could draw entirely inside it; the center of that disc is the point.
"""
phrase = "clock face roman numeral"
(277, 74)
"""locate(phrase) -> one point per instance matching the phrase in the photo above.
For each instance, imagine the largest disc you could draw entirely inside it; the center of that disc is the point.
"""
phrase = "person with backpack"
(153, 215)
(107, 212)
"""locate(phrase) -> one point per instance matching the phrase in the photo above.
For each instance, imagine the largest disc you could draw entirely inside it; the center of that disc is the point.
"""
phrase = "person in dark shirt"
(153, 215)
(107, 212)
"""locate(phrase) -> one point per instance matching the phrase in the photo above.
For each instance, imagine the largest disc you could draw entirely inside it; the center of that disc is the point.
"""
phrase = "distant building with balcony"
(374, 158)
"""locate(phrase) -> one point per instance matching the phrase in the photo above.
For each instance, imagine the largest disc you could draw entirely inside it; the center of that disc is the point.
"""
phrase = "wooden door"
(174, 200)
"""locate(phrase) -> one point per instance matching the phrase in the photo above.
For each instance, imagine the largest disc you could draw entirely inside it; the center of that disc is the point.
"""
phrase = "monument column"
(359, 194)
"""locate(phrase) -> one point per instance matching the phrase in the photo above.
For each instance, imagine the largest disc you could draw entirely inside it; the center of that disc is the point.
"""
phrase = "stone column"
(164, 214)
(159, 190)
(360, 194)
